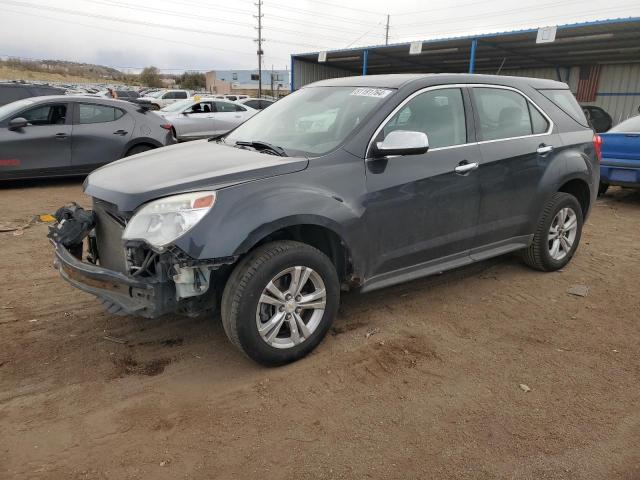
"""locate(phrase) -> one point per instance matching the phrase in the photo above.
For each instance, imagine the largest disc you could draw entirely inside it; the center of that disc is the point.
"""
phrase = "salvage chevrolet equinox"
(347, 184)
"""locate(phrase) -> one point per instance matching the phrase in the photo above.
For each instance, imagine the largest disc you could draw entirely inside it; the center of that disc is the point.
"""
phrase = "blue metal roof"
(481, 35)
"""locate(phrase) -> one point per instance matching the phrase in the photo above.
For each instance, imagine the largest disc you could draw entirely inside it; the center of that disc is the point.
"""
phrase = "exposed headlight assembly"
(163, 221)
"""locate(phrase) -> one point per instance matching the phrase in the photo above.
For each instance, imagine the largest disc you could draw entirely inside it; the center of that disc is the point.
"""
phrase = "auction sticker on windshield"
(371, 92)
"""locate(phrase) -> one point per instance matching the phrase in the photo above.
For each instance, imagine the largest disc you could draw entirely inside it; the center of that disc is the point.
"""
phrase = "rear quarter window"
(565, 101)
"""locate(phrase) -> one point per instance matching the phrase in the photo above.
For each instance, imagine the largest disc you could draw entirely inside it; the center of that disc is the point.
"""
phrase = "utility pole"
(260, 52)
(386, 36)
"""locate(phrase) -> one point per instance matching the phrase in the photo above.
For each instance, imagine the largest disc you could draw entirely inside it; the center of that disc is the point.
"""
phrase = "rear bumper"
(120, 293)
(620, 172)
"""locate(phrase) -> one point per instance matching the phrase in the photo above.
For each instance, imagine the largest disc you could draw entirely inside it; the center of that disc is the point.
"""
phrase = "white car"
(202, 117)
(163, 98)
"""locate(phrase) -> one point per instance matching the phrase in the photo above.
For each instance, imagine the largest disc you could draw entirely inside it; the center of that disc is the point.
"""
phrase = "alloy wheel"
(291, 307)
(562, 233)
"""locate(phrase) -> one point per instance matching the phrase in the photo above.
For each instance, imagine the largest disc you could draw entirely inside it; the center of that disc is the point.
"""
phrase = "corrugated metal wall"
(305, 73)
(618, 88)
(616, 80)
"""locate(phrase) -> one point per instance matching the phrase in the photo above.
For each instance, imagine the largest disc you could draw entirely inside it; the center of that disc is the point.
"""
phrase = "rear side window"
(227, 107)
(253, 104)
(180, 95)
(631, 125)
(502, 113)
(565, 101)
(438, 113)
(98, 113)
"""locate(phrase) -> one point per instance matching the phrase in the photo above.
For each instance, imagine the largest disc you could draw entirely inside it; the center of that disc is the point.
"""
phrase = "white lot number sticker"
(371, 92)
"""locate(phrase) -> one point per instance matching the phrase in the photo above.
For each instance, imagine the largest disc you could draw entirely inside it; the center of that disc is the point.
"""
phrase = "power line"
(163, 39)
(498, 14)
(448, 7)
(363, 35)
(318, 14)
(279, 18)
(511, 24)
(146, 24)
(205, 18)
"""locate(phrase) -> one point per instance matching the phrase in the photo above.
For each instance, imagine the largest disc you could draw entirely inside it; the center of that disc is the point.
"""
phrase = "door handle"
(544, 149)
(465, 167)
(120, 132)
(61, 136)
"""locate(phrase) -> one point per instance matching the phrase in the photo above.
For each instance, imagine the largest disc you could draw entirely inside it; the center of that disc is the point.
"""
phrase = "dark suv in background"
(12, 91)
(354, 183)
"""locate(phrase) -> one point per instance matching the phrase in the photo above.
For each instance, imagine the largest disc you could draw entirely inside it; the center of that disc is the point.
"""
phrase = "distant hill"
(60, 71)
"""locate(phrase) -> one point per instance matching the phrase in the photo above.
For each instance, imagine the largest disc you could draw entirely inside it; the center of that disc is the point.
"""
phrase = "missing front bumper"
(120, 293)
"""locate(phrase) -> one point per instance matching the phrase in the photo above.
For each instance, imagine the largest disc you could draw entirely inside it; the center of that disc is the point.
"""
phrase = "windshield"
(631, 125)
(311, 121)
(177, 106)
(10, 108)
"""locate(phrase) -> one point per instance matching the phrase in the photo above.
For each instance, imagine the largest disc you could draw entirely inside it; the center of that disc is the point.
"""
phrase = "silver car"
(202, 117)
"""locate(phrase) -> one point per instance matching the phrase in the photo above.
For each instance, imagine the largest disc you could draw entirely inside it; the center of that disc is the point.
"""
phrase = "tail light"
(167, 126)
(597, 146)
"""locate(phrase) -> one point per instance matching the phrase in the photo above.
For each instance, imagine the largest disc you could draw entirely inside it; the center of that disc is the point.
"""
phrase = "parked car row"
(44, 135)
(71, 135)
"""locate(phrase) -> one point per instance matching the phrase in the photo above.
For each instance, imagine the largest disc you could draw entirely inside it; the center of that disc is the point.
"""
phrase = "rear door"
(228, 116)
(43, 147)
(100, 135)
(516, 144)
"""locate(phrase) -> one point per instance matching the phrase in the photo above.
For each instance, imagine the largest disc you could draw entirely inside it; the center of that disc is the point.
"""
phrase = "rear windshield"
(565, 101)
(630, 125)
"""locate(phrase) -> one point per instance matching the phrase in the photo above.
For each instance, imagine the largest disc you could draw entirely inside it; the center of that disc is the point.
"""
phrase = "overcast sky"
(217, 34)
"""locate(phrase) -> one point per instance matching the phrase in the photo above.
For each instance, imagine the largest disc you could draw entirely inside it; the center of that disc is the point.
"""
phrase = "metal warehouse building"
(600, 60)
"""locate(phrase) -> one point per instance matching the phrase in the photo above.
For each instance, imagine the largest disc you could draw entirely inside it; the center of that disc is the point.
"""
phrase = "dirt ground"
(417, 381)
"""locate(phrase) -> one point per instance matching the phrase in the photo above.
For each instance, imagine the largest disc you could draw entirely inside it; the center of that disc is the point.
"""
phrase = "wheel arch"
(319, 232)
(579, 188)
(136, 142)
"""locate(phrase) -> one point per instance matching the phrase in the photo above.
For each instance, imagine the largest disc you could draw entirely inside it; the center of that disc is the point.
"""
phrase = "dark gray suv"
(347, 184)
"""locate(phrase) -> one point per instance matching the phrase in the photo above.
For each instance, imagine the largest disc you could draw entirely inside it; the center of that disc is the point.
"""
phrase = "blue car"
(620, 163)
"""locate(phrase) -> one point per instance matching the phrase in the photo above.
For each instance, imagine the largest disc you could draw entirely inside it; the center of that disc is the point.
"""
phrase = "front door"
(517, 145)
(197, 121)
(420, 211)
(100, 135)
(41, 148)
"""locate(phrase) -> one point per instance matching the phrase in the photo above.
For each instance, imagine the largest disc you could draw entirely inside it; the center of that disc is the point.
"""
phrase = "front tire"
(557, 235)
(280, 301)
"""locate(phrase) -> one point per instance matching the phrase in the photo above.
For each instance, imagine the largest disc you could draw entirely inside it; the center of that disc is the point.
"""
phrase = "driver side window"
(438, 113)
(46, 115)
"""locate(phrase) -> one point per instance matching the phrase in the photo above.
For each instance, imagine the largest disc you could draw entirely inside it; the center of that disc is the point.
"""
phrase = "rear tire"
(557, 235)
(138, 149)
(602, 188)
(269, 316)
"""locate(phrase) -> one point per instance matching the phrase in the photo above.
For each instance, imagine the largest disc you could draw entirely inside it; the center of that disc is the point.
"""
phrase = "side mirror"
(402, 142)
(18, 123)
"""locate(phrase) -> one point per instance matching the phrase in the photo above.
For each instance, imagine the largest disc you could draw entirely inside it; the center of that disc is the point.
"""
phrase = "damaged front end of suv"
(128, 259)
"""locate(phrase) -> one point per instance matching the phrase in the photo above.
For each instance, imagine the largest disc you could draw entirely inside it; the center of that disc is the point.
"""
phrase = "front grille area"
(110, 225)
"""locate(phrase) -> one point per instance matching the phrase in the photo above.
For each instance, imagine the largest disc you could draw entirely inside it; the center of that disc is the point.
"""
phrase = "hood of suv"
(192, 166)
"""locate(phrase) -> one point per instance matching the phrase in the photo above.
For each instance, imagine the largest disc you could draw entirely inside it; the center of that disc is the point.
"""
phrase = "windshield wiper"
(263, 146)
